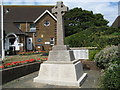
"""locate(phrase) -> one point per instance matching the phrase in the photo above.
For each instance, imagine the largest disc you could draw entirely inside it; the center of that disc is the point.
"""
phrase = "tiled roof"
(21, 14)
(11, 28)
(116, 23)
(24, 13)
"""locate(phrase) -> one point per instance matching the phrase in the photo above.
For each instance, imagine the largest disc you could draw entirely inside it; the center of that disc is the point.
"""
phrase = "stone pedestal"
(60, 47)
(65, 73)
(61, 69)
(61, 55)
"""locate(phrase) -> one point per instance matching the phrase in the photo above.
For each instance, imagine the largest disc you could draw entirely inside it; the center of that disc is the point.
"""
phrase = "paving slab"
(27, 81)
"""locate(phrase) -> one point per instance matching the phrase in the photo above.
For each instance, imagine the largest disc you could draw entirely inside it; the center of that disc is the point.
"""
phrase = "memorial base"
(64, 73)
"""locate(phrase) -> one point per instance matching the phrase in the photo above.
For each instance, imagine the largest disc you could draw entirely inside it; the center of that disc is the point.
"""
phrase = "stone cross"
(59, 10)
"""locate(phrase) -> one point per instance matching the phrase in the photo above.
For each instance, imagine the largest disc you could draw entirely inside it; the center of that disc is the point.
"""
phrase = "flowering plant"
(1, 67)
(106, 56)
(16, 63)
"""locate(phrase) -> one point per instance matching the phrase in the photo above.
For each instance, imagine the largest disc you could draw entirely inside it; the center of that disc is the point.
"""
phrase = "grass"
(9, 59)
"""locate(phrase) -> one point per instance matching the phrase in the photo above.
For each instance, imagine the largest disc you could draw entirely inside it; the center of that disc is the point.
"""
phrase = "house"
(116, 23)
(29, 28)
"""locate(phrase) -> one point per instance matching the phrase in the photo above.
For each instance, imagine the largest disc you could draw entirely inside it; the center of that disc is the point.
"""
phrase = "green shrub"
(92, 53)
(111, 78)
(94, 37)
(109, 59)
(106, 56)
(116, 33)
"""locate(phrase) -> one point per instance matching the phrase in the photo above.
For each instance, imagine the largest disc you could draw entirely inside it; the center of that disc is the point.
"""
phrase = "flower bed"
(11, 73)
(32, 52)
(17, 63)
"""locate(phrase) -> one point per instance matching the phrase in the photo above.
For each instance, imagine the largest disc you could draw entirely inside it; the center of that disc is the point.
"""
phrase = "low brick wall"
(19, 71)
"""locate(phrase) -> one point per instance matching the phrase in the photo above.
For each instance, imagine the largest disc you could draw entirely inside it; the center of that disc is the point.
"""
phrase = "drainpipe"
(26, 27)
(34, 41)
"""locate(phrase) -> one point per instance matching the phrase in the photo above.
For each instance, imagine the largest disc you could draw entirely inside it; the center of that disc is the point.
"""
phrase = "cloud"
(109, 8)
(61, 0)
(109, 11)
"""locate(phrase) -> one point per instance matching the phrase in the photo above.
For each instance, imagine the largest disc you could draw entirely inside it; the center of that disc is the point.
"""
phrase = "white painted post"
(2, 39)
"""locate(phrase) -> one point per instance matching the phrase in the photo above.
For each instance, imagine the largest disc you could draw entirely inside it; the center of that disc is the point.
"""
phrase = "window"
(29, 41)
(7, 10)
(18, 26)
(32, 28)
(46, 23)
(39, 39)
(52, 41)
(32, 25)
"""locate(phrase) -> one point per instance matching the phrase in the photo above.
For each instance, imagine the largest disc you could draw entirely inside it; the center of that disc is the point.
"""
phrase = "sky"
(109, 8)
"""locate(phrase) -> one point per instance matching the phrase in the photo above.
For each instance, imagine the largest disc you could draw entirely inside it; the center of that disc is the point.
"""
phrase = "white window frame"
(52, 39)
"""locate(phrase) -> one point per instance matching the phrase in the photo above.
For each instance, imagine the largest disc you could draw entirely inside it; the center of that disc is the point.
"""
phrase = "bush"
(109, 59)
(111, 77)
(92, 53)
(106, 56)
(94, 37)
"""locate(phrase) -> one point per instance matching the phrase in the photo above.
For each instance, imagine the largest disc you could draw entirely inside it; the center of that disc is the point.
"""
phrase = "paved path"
(27, 81)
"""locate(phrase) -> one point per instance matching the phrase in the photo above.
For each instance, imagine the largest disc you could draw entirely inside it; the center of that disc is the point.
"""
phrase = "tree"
(94, 37)
(77, 20)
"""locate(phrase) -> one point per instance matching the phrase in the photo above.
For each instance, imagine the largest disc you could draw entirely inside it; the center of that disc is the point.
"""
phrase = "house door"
(29, 44)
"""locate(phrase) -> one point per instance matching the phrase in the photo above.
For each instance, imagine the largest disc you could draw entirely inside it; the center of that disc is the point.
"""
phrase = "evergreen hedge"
(94, 37)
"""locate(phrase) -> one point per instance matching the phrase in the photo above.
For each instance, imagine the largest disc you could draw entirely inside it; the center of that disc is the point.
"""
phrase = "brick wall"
(42, 32)
(45, 32)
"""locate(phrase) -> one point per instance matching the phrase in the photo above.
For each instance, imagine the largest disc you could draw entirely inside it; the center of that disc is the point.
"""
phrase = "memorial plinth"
(61, 67)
